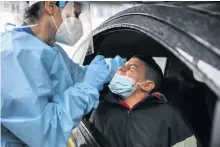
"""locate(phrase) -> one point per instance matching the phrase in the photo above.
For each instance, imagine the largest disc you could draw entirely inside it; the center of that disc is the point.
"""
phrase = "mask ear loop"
(55, 24)
(61, 24)
(141, 83)
(63, 18)
(54, 21)
(57, 27)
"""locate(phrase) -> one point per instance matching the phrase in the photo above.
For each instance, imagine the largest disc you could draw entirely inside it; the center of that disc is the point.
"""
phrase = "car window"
(161, 61)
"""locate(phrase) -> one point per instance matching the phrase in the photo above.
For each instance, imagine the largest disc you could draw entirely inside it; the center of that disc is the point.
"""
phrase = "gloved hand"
(114, 64)
(97, 72)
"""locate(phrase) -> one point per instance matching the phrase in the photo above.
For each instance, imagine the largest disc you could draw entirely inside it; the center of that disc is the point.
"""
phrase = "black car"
(187, 36)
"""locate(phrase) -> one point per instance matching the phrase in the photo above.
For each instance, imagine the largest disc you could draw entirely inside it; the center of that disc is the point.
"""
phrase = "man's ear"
(148, 86)
(50, 7)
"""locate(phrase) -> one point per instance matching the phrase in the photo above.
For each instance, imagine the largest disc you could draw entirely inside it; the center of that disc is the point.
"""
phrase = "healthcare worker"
(44, 93)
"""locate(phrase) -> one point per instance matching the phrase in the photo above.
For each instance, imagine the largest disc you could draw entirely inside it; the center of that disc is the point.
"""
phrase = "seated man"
(130, 116)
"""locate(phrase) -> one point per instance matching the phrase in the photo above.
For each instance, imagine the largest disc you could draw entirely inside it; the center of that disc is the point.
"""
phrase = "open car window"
(161, 61)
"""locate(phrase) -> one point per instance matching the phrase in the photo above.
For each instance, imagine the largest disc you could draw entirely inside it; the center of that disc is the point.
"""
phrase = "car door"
(188, 31)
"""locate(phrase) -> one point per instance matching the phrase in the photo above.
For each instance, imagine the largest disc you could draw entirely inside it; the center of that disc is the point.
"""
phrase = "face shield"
(75, 32)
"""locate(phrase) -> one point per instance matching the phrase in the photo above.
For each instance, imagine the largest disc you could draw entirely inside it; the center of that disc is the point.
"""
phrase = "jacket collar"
(155, 97)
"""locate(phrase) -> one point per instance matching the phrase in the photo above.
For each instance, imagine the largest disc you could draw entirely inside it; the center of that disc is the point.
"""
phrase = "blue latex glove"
(114, 64)
(97, 72)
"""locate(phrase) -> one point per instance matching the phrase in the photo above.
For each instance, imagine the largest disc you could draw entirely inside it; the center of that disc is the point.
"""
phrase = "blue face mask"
(122, 85)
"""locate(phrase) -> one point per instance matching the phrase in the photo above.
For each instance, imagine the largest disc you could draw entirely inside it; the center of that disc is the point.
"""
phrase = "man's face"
(135, 69)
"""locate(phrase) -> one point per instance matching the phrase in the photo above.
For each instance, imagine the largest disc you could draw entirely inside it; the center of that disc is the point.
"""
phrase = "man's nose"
(122, 69)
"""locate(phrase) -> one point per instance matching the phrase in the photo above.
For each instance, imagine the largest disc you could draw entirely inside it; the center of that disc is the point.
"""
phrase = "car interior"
(193, 98)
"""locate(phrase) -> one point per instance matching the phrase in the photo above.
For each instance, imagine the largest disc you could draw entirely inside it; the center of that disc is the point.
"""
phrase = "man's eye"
(132, 66)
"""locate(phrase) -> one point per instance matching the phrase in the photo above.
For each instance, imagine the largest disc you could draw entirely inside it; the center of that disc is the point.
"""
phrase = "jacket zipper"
(127, 131)
(128, 114)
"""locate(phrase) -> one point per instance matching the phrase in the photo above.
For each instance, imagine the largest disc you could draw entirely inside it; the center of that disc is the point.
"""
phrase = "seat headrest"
(170, 84)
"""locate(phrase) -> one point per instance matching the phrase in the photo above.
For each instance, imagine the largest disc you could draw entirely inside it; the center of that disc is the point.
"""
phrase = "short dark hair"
(33, 12)
(153, 71)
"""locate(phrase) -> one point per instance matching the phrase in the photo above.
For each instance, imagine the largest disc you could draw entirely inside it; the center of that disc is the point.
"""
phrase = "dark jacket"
(151, 123)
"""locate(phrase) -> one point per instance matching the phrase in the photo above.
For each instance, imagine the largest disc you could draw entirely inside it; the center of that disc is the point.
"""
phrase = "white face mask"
(69, 32)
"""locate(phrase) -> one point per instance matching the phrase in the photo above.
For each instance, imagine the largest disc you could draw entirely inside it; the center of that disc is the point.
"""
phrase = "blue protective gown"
(43, 95)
